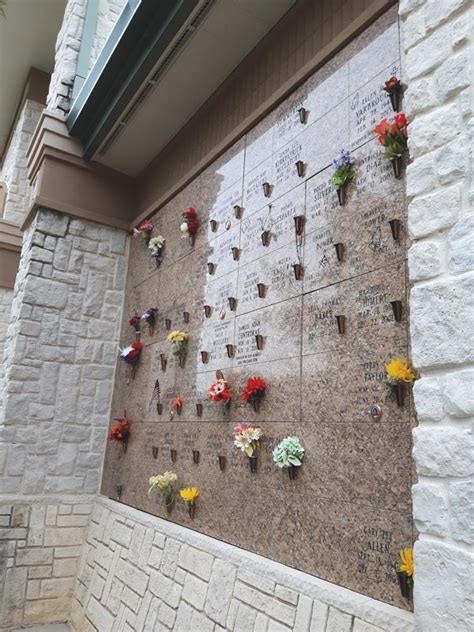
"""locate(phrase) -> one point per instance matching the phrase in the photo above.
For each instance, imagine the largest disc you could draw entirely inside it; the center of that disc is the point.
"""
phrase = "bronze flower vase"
(192, 509)
(259, 339)
(266, 236)
(292, 472)
(154, 452)
(397, 164)
(397, 310)
(118, 491)
(395, 96)
(192, 239)
(303, 115)
(238, 210)
(253, 463)
(159, 408)
(168, 323)
(211, 267)
(157, 262)
(196, 457)
(222, 463)
(406, 585)
(124, 445)
(256, 401)
(199, 409)
(207, 311)
(213, 224)
(299, 271)
(182, 361)
(173, 455)
(163, 361)
(339, 251)
(262, 290)
(151, 330)
(400, 392)
(179, 409)
(341, 194)
(395, 226)
(186, 317)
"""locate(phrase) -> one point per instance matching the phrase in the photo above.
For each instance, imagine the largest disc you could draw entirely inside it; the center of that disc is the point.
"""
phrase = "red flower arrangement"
(393, 88)
(135, 322)
(191, 224)
(219, 391)
(393, 136)
(120, 432)
(254, 391)
(131, 355)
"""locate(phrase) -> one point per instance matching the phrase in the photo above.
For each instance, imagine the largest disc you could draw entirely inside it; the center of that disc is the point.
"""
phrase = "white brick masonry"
(437, 40)
(60, 355)
(140, 573)
(39, 555)
(13, 171)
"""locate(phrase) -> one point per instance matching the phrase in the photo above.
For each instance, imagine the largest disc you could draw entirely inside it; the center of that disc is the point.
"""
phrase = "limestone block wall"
(436, 37)
(6, 298)
(60, 355)
(13, 171)
(139, 572)
(40, 545)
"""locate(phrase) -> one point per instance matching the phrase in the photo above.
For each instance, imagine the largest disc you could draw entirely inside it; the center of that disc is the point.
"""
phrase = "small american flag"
(155, 396)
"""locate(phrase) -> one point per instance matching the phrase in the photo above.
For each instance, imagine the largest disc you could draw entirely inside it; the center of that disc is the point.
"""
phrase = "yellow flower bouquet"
(406, 572)
(179, 345)
(189, 495)
(399, 375)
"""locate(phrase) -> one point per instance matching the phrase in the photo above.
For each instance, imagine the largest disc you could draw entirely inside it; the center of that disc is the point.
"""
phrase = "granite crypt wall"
(348, 513)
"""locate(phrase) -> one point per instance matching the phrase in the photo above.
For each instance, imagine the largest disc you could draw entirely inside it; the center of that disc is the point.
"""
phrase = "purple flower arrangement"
(343, 173)
(150, 318)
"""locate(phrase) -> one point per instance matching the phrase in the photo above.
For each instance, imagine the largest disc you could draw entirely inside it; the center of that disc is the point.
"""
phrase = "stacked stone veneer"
(438, 46)
(138, 573)
(40, 546)
(60, 355)
(14, 169)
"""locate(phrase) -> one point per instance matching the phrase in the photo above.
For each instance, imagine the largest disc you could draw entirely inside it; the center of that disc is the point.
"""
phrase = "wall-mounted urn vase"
(168, 323)
(395, 227)
(238, 210)
(232, 303)
(163, 361)
(341, 194)
(159, 408)
(400, 392)
(300, 168)
(262, 290)
(204, 357)
(300, 221)
(406, 585)
(222, 463)
(235, 253)
(267, 189)
(341, 324)
(213, 223)
(154, 451)
(260, 341)
(299, 271)
(196, 457)
(186, 317)
(266, 236)
(207, 311)
(182, 363)
(211, 267)
(339, 251)
(397, 310)
(303, 115)
(397, 165)
(230, 350)
(292, 472)
(199, 409)
(173, 455)
(253, 463)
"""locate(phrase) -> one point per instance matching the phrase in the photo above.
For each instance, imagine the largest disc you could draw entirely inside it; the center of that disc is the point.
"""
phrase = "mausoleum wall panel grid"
(353, 491)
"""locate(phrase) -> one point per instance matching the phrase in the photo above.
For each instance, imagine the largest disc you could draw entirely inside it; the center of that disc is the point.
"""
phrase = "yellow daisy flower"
(406, 565)
(400, 370)
(189, 494)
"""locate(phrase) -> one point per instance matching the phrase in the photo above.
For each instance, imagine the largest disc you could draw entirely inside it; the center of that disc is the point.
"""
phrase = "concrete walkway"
(50, 627)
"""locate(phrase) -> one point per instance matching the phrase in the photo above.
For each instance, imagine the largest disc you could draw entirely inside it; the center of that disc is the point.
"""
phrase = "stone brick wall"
(68, 45)
(138, 572)
(6, 298)
(40, 545)
(60, 356)
(13, 171)
(437, 41)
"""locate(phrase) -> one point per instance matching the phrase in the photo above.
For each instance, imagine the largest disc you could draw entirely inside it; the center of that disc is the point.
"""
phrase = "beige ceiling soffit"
(10, 249)
(36, 89)
(376, 9)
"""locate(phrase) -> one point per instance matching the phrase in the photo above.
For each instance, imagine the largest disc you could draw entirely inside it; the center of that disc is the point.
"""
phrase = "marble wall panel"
(348, 513)
(368, 105)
